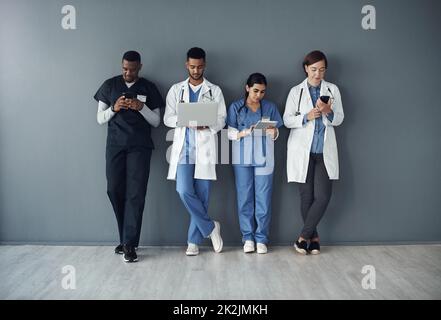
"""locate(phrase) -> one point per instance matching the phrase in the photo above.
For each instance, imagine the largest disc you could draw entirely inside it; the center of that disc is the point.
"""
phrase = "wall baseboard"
(230, 244)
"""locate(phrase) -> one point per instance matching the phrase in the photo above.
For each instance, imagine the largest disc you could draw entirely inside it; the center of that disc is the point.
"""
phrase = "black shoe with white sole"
(301, 247)
(119, 249)
(314, 247)
(130, 254)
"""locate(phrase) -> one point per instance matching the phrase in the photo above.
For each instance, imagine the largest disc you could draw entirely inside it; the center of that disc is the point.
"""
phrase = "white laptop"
(197, 114)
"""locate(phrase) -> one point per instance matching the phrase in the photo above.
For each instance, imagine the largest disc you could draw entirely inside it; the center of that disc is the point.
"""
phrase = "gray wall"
(52, 177)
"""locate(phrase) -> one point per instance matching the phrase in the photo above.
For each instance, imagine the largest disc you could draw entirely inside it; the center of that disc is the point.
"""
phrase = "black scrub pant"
(127, 172)
(314, 195)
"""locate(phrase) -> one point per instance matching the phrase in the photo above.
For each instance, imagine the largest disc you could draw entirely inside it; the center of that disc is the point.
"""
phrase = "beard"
(197, 76)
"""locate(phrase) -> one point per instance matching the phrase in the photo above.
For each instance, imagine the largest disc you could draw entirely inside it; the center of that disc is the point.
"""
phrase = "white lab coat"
(206, 153)
(300, 137)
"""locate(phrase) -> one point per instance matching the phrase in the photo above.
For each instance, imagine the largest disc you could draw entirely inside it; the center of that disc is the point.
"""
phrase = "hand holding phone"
(325, 99)
(132, 102)
(323, 105)
(120, 104)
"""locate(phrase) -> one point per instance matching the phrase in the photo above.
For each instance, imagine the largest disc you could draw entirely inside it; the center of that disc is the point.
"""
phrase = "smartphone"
(325, 99)
(129, 95)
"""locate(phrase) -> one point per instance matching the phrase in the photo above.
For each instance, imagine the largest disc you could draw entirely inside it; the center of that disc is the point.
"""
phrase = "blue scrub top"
(188, 154)
(252, 150)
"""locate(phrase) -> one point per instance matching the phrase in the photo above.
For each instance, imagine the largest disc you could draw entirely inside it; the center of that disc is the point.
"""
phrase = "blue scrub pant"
(194, 194)
(253, 203)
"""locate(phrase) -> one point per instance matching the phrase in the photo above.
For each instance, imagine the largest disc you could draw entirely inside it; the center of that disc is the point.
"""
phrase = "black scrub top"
(129, 127)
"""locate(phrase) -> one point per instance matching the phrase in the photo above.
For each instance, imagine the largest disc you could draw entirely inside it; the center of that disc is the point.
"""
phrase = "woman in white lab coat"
(313, 109)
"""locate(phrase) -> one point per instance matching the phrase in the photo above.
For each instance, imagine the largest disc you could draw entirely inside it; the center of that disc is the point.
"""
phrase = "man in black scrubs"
(130, 105)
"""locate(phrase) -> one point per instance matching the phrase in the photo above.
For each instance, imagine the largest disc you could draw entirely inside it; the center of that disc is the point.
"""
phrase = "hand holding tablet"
(265, 124)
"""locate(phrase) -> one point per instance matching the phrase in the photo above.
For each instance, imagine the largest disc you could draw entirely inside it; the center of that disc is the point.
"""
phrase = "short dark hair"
(313, 57)
(196, 53)
(132, 56)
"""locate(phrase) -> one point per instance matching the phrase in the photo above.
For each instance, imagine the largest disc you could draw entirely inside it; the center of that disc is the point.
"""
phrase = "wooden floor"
(402, 272)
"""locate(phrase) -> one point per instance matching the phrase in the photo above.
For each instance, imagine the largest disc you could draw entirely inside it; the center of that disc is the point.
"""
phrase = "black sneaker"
(314, 247)
(119, 249)
(301, 247)
(130, 254)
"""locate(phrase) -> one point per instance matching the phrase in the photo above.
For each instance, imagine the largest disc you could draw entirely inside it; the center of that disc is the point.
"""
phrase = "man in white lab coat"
(193, 155)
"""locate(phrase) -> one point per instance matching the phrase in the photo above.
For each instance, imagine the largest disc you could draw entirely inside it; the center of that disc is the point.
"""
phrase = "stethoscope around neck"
(300, 100)
(181, 94)
(239, 117)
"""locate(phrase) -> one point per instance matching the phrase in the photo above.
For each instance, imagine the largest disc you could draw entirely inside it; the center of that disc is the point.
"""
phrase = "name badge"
(141, 98)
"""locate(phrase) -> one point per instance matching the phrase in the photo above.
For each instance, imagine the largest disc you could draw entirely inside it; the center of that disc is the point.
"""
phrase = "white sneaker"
(248, 247)
(262, 248)
(216, 238)
(192, 250)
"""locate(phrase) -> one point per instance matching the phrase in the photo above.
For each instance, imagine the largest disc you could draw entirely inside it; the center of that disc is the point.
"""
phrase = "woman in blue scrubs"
(253, 161)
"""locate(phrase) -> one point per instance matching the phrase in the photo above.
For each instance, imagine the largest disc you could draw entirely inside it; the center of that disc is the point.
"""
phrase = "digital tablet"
(265, 124)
